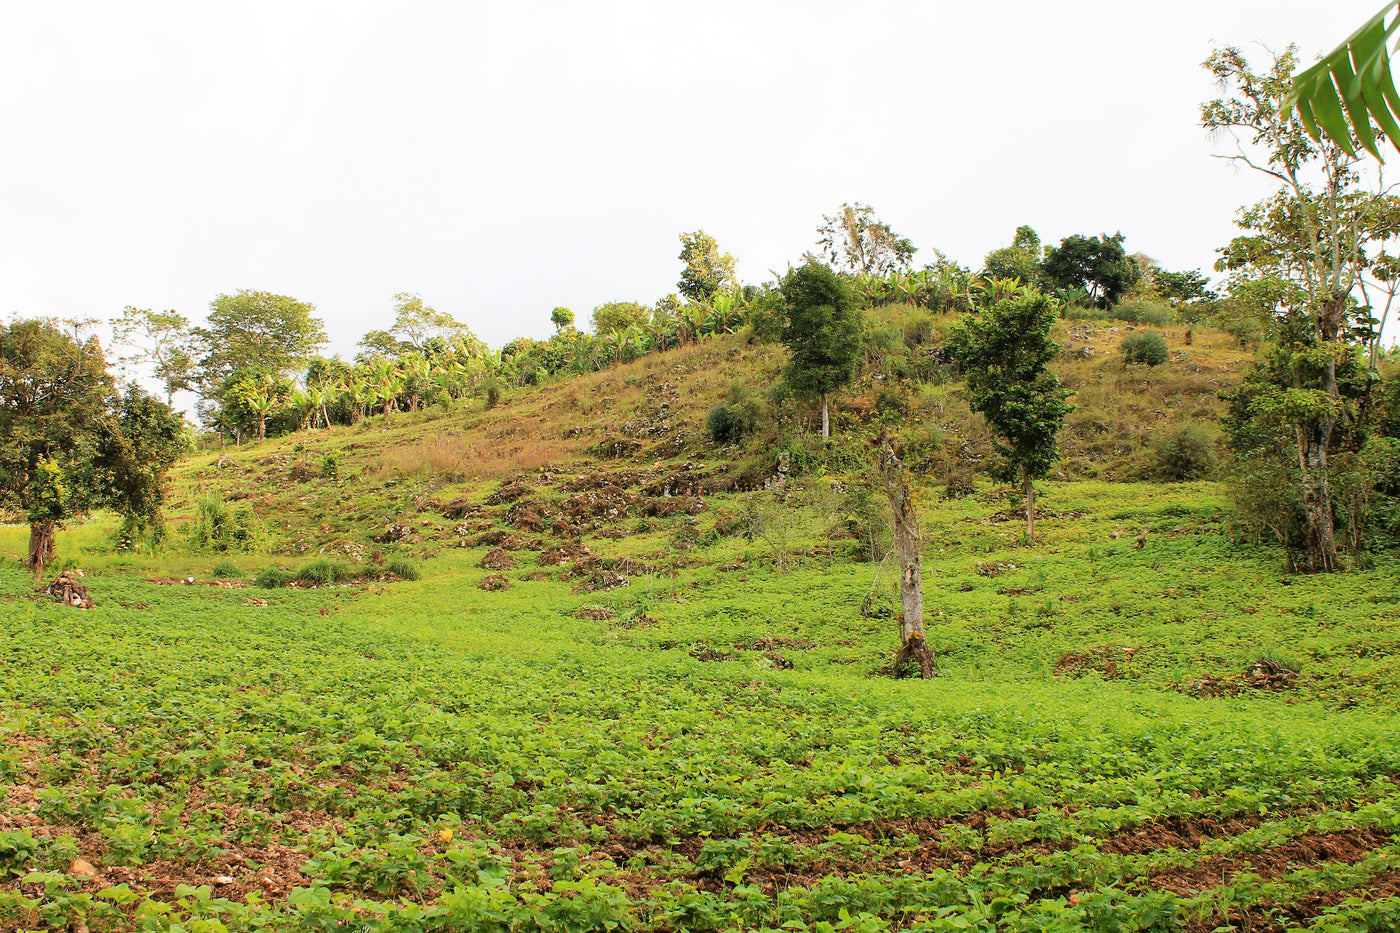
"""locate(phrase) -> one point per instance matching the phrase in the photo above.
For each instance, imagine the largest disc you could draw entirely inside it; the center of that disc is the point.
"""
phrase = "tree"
(1005, 353)
(707, 270)
(257, 331)
(1302, 253)
(1098, 265)
(822, 333)
(616, 316)
(1020, 260)
(63, 442)
(857, 242)
(162, 340)
(420, 325)
(909, 543)
(562, 319)
(132, 461)
(1340, 96)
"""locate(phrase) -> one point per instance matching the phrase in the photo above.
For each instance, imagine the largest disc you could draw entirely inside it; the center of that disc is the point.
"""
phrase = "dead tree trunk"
(826, 419)
(909, 543)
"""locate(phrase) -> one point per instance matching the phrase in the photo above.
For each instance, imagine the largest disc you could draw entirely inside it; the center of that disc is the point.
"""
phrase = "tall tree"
(616, 316)
(421, 326)
(1099, 265)
(856, 241)
(1006, 353)
(822, 333)
(256, 331)
(707, 270)
(1304, 249)
(161, 340)
(562, 319)
(62, 446)
(1020, 260)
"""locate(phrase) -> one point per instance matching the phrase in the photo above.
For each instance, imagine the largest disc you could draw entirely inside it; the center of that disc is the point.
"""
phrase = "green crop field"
(718, 744)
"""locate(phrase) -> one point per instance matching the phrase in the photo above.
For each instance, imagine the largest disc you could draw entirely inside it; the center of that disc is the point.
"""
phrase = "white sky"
(504, 158)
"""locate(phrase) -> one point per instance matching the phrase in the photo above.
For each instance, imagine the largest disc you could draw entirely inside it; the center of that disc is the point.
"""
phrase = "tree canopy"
(1098, 265)
(68, 443)
(856, 241)
(822, 333)
(257, 331)
(707, 270)
(1005, 353)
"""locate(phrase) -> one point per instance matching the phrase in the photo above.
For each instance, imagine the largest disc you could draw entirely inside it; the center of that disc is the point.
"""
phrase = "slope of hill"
(628, 692)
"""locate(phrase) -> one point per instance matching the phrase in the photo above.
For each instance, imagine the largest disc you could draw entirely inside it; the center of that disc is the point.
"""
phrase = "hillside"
(634, 689)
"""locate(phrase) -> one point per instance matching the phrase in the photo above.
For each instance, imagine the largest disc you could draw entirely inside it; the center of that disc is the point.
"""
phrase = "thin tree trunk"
(41, 544)
(826, 419)
(910, 545)
(1029, 487)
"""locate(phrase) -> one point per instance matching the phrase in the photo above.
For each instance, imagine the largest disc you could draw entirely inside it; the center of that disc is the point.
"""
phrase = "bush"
(274, 579)
(1183, 452)
(729, 421)
(325, 573)
(1142, 312)
(226, 570)
(1149, 348)
(403, 569)
(494, 389)
(220, 528)
(330, 466)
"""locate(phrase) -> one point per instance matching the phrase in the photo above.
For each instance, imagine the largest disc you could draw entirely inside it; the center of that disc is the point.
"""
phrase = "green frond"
(1341, 95)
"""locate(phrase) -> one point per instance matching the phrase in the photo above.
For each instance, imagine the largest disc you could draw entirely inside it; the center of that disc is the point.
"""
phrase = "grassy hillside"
(627, 692)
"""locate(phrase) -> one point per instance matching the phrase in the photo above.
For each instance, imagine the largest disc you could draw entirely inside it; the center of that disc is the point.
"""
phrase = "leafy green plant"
(403, 568)
(1183, 452)
(1148, 348)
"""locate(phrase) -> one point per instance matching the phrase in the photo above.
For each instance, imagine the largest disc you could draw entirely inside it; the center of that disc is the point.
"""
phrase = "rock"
(82, 868)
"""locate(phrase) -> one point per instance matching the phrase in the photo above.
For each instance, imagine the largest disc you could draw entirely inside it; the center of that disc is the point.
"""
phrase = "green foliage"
(404, 569)
(734, 418)
(493, 389)
(226, 569)
(562, 319)
(707, 270)
(218, 527)
(1182, 453)
(326, 573)
(1098, 265)
(274, 578)
(330, 467)
(1147, 347)
(617, 316)
(161, 340)
(1005, 353)
(1020, 260)
(256, 331)
(823, 330)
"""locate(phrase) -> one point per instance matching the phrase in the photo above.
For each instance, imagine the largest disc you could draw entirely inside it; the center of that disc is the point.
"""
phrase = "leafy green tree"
(256, 331)
(707, 270)
(562, 319)
(420, 325)
(162, 340)
(616, 316)
(1300, 255)
(1020, 260)
(62, 446)
(822, 333)
(131, 463)
(1098, 265)
(1006, 353)
(856, 241)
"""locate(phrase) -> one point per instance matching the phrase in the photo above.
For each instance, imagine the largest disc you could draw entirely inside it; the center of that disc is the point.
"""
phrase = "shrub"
(219, 527)
(1149, 348)
(403, 569)
(226, 569)
(1142, 312)
(494, 389)
(330, 466)
(729, 421)
(273, 579)
(325, 573)
(1183, 452)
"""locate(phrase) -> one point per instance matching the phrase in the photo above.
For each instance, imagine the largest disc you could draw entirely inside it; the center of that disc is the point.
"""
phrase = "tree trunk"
(41, 541)
(1320, 543)
(262, 426)
(1029, 487)
(909, 543)
(826, 420)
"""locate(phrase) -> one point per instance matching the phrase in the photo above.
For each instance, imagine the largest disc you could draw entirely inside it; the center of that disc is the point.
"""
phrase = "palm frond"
(1341, 95)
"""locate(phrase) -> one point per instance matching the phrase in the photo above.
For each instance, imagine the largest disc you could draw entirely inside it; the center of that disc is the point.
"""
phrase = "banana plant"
(1341, 95)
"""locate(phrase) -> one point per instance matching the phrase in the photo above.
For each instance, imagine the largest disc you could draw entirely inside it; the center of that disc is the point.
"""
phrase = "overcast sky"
(501, 159)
